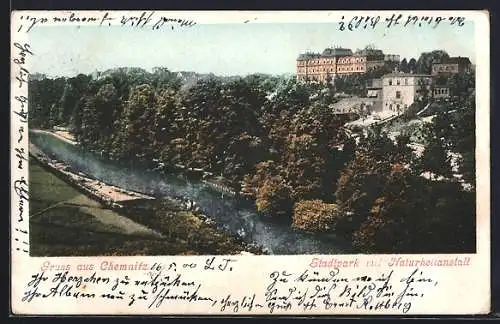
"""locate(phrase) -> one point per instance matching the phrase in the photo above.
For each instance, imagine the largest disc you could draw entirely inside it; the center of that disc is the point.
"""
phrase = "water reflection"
(236, 215)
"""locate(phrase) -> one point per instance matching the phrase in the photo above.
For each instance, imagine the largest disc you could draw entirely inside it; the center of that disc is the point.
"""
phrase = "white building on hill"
(400, 90)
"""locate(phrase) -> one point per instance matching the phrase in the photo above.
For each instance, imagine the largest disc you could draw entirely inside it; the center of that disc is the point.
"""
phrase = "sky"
(226, 49)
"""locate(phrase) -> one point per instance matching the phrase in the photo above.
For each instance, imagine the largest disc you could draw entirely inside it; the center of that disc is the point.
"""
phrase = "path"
(82, 205)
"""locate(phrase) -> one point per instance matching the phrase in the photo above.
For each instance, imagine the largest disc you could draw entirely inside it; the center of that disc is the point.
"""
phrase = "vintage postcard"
(241, 163)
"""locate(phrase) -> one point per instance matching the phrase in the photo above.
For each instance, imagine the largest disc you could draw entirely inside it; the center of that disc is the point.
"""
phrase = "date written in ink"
(370, 22)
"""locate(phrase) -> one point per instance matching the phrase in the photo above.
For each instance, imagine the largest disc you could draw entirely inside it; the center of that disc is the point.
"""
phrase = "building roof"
(308, 56)
(370, 52)
(408, 75)
(336, 51)
(328, 52)
(456, 60)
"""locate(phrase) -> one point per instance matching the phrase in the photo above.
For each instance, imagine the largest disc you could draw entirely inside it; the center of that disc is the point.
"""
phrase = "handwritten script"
(397, 20)
(165, 285)
(22, 51)
(147, 19)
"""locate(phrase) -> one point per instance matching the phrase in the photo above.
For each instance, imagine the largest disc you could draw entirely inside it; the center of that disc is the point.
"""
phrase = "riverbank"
(122, 222)
(107, 194)
(63, 135)
(237, 219)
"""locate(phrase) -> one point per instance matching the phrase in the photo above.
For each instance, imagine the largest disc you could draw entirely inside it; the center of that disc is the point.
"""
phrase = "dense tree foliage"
(426, 59)
(356, 84)
(279, 143)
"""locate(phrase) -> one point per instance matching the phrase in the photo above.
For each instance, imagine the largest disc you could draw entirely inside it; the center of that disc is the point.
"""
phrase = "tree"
(403, 66)
(386, 228)
(444, 128)
(464, 138)
(315, 216)
(88, 131)
(109, 110)
(164, 78)
(404, 153)
(134, 137)
(424, 89)
(426, 59)
(166, 126)
(45, 101)
(274, 198)
(304, 166)
(467, 168)
(412, 65)
(221, 118)
(359, 184)
(243, 153)
(378, 146)
(435, 159)
(416, 215)
(461, 86)
(263, 170)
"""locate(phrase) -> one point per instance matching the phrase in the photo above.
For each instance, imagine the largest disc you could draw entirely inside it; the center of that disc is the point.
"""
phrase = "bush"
(274, 198)
(315, 216)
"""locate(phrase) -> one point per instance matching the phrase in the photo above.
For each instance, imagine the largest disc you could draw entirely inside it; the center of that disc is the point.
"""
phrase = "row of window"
(316, 70)
(353, 69)
(347, 60)
(398, 82)
(351, 60)
(350, 68)
(441, 91)
(339, 69)
(315, 62)
(445, 68)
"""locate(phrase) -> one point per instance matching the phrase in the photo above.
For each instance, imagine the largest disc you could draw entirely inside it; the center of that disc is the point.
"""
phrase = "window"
(406, 81)
(398, 82)
(390, 82)
(398, 94)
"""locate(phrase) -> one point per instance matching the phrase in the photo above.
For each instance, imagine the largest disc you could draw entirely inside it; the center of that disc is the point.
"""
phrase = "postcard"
(250, 163)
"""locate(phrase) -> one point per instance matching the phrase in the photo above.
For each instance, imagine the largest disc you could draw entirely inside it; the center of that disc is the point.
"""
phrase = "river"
(227, 211)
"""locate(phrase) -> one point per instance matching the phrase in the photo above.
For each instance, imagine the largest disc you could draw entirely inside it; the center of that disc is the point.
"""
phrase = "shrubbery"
(315, 216)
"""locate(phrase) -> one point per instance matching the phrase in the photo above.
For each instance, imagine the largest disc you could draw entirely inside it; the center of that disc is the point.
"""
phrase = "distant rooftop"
(328, 52)
(456, 60)
(336, 51)
(396, 74)
(308, 56)
(370, 52)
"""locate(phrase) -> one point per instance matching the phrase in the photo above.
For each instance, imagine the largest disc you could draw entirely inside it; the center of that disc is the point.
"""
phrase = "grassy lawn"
(46, 189)
(65, 222)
